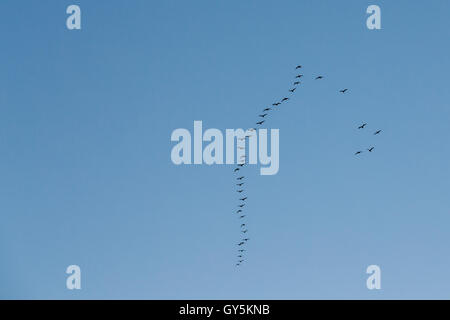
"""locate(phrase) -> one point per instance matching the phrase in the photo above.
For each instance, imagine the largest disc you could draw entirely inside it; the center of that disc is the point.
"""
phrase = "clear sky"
(86, 176)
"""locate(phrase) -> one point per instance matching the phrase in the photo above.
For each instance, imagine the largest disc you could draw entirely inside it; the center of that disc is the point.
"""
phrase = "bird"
(237, 264)
(298, 76)
(284, 99)
(241, 250)
(243, 225)
(357, 152)
(243, 199)
(240, 256)
(298, 67)
(240, 261)
(242, 216)
(296, 83)
(237, 169)
(343, 91)
(292, 90)
(241, 243)
(240, 178)
(377, 132)
(260, 122)
(319, 77)
(276, 104)
(370, 149)
(246, 239)
(240, 191)
(241, 205)
(240, 184)
(267, 109)
(362, 126)
(239, 211)
(244, 231)
(263, 115)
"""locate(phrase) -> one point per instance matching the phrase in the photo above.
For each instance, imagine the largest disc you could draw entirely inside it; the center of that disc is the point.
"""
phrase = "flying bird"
(244, 231)
(370, 149)
(377, 132)
(343, 91)
(299, 76)
(292, 90)
(298, 67)
(243, 199)
(296, 83)
(241, 205)
(357, 152)
(263, 115)
(284, 99)
(243, 225)
(241, 164)
(239, 211)
(319, 77)
(241, 243)
(276, 104)
(246, 239)
(240, 261)
(240, 178)
(240, 184)
(267, 109)
(260, 122)
(242, 216)
(362, 126)
(239, 191)
(241, 250)
(237, 169)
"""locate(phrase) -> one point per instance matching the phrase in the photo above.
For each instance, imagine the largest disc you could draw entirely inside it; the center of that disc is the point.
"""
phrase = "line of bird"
(370, 149)
(242, 161)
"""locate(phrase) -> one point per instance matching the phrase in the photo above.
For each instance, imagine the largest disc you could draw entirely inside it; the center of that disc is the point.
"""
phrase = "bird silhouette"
(299, 76)
(243, 199)
(362, 126)
(246, 239)
(244, 231)
(276, 104)
(241, 205)
(237, 169)
(267, 109)
(292, 90)
(357, 152)
(284, 99)
(241, 250)
(240, 178)
(377, 132)
(241, 243)
(240, 184)
(296, 83)
(319, 77)
(240, 191)
(343, 91)
(298, 67)
(243, 225)
(242, 216)
(239, 211)
(260, 122)
(263, 115)
(370, 149)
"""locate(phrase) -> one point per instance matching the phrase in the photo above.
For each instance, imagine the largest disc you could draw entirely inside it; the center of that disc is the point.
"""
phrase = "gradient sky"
(86, 176)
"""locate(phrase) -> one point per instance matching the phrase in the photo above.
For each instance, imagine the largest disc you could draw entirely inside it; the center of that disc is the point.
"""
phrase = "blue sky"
(86, 175)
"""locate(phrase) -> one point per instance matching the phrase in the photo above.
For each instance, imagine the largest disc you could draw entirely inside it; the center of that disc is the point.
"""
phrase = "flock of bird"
(240, 179)
(370, 149)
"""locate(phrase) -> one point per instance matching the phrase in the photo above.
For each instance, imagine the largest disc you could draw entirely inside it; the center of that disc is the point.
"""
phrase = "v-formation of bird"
(240, 179)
